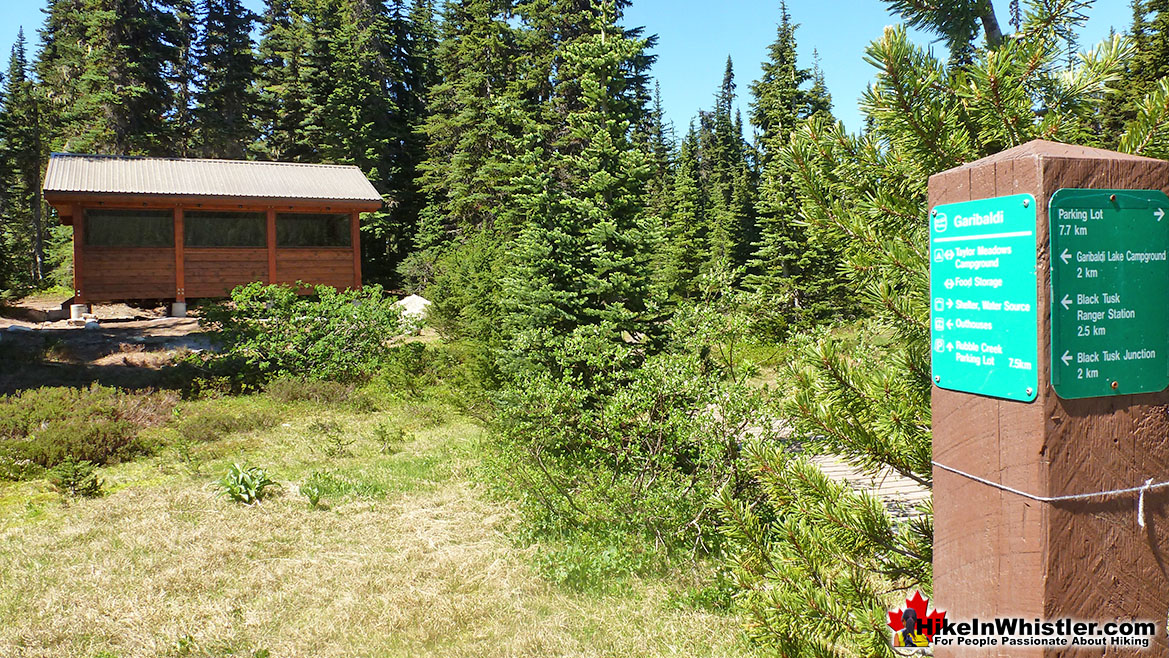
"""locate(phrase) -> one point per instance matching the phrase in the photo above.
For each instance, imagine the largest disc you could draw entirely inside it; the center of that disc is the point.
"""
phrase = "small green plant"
(246, 484)
(389, 437)
(334, 442)
(311, 489)
(184, 449)
(337, 485)
(76, 478)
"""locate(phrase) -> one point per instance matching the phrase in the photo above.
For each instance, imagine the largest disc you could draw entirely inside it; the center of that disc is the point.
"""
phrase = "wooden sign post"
(1000, 554)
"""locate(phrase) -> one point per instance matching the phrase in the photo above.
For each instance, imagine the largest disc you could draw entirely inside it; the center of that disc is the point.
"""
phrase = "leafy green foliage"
(271, 331)
(311, 490)
(331, 438)
(76, 478)
(389, 437)
(594, 561)
(817, 564)
(246, 484)
(329, 484)
(641, 444)
(47, 426)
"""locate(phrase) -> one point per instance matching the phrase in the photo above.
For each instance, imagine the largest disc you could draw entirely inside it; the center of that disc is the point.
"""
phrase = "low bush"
(596, 562)
(331, 439)
(267, 332)
(47, 426)
(246, 484)
(613, 443)
(389, 437)
(76, 478)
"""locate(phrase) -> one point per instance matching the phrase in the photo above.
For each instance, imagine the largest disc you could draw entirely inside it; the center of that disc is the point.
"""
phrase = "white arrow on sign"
(1065, 256)
(1066, 301)
(1066, 358)
(949, 303)
(1160, 214)
(950, 347)
(949, 324)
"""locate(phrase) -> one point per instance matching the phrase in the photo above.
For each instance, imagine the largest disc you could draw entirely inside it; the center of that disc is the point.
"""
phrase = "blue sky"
(695, 37)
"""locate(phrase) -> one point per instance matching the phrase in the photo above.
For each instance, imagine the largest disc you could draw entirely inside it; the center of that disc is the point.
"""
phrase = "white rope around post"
(1141, 503)
(1149, 485)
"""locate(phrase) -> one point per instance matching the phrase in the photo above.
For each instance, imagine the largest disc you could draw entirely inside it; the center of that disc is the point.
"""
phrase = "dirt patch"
(130, 353)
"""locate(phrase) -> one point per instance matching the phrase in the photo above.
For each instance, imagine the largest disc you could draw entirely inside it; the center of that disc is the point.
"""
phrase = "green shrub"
(413, 367)
(615, 439)
(389, 437)
(97, 424)
(76, 478)
(246, 484)
(267, 332)
(589, 561)
(332, 439)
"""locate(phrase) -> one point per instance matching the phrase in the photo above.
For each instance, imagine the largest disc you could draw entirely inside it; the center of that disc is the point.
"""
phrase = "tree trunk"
(990, 25)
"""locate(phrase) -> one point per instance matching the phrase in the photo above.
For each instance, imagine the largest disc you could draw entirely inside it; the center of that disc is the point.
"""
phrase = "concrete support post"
(999, 554)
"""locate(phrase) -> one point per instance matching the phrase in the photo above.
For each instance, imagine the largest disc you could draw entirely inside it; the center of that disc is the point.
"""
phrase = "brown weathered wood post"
(999, 554)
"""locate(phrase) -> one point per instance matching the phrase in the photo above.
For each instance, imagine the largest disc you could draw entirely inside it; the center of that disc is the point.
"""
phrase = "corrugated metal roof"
(109, 174)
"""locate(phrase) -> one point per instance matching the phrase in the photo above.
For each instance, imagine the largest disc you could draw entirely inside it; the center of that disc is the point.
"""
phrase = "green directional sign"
(1109, 288)
(983, 317)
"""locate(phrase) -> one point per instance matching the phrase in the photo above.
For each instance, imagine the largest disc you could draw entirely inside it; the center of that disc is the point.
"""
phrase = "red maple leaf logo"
(930, 623)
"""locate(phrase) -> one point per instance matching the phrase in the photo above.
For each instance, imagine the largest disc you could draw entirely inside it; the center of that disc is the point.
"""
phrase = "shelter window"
(203, 228)
(312, 230)
(129, 228)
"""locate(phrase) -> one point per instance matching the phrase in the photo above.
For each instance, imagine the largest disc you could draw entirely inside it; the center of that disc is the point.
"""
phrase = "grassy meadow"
(411, 551)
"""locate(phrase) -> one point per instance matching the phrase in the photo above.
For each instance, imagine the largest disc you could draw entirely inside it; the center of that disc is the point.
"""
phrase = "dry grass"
(163, 567)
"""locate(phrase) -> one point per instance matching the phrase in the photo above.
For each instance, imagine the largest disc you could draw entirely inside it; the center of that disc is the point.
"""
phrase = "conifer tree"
(796, 276)
(24, 158)
(105, 66)
(820, 564)
(1148, 66)
(687, 230)
(225, 101)
(182, 75)
(582, 260)
(283, 84)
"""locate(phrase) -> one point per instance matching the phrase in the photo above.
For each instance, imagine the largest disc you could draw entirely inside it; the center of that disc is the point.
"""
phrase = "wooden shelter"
(173, 228)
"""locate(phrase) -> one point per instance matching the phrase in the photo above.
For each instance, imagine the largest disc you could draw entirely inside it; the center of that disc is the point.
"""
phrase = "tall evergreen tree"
(687, 229)
(225, 103)
(182, 75)
(582, 261)
(1145, 70)
(24, 159)
(105, 65)
(284, 69)
(797, 276)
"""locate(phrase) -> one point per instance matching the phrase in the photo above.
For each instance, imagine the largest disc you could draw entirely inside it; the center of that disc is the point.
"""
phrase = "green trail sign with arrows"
(983, 297)
(1109, 288)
